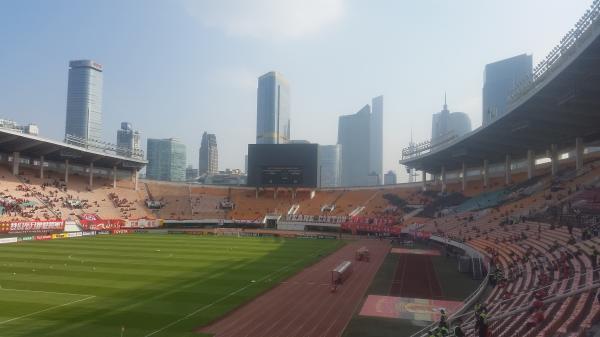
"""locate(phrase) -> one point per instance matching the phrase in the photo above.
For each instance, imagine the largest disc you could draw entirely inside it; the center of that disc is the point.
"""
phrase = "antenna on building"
(445, 102)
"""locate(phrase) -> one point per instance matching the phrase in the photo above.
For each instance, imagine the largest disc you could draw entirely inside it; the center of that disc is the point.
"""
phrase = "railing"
(567, 46)
(418, 149)
(104, 147)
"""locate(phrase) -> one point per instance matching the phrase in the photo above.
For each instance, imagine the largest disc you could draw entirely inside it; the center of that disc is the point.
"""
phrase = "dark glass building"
(499, 79)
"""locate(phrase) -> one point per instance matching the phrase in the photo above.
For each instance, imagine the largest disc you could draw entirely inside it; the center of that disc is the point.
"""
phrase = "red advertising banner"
(370, 228)
(89, 217)
(101, 224)
(31, 226)
(43, 237)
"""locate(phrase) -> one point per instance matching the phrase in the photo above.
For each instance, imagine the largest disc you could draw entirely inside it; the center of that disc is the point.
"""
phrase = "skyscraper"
(84, 102)
(361, 139)
(329, 165)
(272, 109)
(376, 141)
(209, 155)
(390, 178)
(128, 141)
(354, 135)
(499, 79)
(166, 160)
(446, 125)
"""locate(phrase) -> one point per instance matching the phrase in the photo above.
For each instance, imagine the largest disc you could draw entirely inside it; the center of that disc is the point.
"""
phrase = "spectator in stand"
(537, 304)
(535, 319)
(481, 324)
(457, 330)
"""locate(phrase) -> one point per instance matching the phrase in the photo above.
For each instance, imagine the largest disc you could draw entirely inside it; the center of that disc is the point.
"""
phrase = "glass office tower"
(84, 102)
(166, 160)
(273, 109)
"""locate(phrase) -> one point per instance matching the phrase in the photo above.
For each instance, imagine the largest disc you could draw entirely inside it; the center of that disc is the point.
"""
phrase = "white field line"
(225, 297)
(47, 309)
(43, 292)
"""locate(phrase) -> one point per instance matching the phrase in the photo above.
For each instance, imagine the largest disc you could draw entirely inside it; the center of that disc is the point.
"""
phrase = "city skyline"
(140, 87)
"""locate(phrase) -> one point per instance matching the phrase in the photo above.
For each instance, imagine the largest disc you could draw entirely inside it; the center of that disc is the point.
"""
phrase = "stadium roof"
(35, 146)
(562, 102)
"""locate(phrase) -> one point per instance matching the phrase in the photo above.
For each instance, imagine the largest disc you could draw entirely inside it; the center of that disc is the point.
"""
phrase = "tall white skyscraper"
(354, 137)
(376, 134)
(273, 109)
(361, 138)
(84, 102)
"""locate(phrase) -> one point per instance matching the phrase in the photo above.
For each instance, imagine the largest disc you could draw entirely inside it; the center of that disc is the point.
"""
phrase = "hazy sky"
(178, 68)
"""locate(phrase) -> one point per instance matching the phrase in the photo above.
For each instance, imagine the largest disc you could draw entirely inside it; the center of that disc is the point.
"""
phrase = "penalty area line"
(47, 309)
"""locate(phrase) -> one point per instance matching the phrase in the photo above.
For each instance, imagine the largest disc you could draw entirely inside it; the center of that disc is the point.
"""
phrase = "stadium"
(503, 240)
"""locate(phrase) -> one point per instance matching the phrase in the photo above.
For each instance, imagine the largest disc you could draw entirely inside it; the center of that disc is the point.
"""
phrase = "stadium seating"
(503, 233)
(51, 198)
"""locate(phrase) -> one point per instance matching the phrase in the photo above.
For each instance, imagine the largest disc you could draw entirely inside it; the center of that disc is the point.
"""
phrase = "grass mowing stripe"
(47, 309)
(138, 287)
(223, 298)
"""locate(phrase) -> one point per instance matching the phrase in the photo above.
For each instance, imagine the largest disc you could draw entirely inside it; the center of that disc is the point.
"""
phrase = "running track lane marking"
(193, 313)
(47, 309)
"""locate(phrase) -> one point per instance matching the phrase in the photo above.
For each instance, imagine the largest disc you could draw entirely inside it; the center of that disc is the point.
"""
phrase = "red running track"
(415, 278)
(303, 305)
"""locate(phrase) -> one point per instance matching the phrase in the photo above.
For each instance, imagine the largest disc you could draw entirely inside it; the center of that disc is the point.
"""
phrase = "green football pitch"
(140, 285)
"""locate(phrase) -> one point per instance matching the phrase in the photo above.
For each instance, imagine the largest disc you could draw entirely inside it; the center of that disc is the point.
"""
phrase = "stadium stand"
(534, 261)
